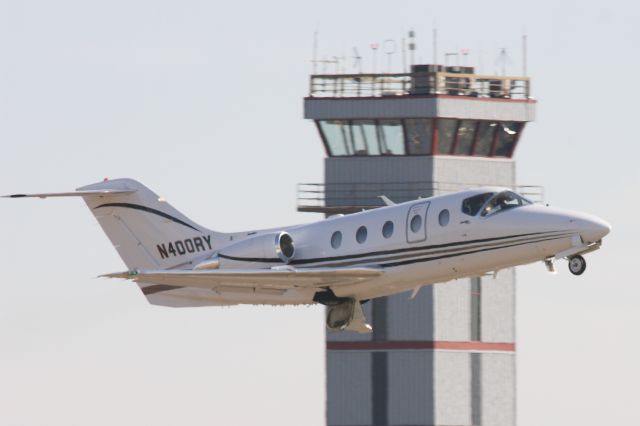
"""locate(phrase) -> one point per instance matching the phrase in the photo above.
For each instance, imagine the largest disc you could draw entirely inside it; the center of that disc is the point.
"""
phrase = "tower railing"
(419, 83)
(353, 197)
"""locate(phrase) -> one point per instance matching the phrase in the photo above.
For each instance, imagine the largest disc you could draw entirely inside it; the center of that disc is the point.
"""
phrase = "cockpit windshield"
(503, 201)
(472, 205)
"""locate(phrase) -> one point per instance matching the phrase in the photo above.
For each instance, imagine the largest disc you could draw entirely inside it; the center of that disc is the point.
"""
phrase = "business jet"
(340, 262)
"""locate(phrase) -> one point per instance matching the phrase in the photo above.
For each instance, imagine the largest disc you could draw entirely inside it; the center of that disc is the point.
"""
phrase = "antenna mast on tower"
(435, 45)
(314, 61)
(524, 55)
(412, 47)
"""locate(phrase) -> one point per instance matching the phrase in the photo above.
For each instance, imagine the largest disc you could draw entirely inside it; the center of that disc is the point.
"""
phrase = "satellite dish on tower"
(389, 50)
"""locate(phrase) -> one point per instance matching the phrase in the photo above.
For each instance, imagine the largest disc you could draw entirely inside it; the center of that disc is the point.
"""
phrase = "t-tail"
(147, 232)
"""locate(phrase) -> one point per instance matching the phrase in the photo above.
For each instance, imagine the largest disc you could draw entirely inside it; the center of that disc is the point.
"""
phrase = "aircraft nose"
(593, 229)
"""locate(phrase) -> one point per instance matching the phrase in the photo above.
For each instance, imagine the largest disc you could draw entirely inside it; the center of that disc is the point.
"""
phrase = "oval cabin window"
(443, 217)
(416, 223)
(361, 234)
(336, 239)
(387, 229)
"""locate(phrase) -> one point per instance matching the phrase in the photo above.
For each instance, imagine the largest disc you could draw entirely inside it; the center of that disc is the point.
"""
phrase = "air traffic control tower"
(447, 357)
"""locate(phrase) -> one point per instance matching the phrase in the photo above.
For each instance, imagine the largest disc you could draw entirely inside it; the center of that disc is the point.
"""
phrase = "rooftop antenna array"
(524, 55)
(403, 43)
(314, 61)
(435, 44)
(374, 53)
(465, 53)
(357, 60)
(336, 60)
(451, 54)
(412, 47)
(389, 50)
(390, 47)
(503, 60)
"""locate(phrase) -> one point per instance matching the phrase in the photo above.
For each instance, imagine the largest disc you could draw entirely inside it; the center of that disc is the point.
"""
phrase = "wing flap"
(253, 278)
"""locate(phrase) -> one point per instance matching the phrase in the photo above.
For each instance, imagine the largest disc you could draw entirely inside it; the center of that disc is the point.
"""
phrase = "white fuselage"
(339, 260)
(438, 249)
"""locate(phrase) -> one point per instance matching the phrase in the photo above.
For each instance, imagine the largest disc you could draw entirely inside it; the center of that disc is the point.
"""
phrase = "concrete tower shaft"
(447, 357)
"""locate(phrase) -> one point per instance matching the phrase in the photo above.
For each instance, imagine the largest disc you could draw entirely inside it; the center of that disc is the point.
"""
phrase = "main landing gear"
(343, 313)
(577, 264)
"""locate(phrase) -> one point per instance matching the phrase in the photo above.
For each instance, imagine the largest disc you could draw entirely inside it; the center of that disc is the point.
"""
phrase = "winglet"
(386, 200)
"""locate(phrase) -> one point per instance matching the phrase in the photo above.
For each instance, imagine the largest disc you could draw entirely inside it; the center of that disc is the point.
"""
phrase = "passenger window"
(336, 239)
(443, 217)
(472, 205)
(387, 229)
(361, 234)
(416, 223)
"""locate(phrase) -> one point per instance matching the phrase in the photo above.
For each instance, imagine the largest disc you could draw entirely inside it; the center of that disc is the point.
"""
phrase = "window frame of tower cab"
(420, 137)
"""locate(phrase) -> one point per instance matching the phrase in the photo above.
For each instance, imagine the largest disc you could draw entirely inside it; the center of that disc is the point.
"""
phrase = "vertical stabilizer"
(147, 232)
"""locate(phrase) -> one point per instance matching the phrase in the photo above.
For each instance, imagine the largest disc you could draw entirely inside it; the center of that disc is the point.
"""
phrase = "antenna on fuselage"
(386, 200)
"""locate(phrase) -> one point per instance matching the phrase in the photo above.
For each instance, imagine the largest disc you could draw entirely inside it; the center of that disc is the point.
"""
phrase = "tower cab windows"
(420, 136)
(363, 137)
(446, 134)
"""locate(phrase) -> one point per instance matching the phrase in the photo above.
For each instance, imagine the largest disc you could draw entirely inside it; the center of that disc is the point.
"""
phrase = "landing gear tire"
(347, 315)
(577, 265)
(340, 315)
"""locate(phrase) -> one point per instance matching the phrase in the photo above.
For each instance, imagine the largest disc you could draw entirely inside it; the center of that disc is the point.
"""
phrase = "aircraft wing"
(100, 192)
(276, 278)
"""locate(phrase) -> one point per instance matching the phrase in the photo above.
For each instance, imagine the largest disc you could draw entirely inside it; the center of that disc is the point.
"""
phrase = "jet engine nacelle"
(266, 249)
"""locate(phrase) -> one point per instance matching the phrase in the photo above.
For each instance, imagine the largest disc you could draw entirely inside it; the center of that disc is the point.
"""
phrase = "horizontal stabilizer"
(280, 278)
(101, 192)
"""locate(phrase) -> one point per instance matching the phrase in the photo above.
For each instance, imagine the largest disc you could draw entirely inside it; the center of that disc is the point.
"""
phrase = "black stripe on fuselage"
(148, 210)
(250, 259)
(380, 260)
(160, 288)
(384, 252)
(446, 256)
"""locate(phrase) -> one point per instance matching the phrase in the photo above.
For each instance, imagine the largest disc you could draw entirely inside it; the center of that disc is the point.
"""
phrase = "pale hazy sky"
(202, 101)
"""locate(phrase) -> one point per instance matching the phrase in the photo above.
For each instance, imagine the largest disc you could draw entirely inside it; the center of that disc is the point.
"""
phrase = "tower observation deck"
(447, 357)
(406, 122)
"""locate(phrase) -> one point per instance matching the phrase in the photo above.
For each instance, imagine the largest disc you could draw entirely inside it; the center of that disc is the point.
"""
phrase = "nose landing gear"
(550, 266)
(577, 265)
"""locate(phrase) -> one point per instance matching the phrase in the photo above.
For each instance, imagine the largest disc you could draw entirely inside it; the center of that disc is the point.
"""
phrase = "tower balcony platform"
(352, 197)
